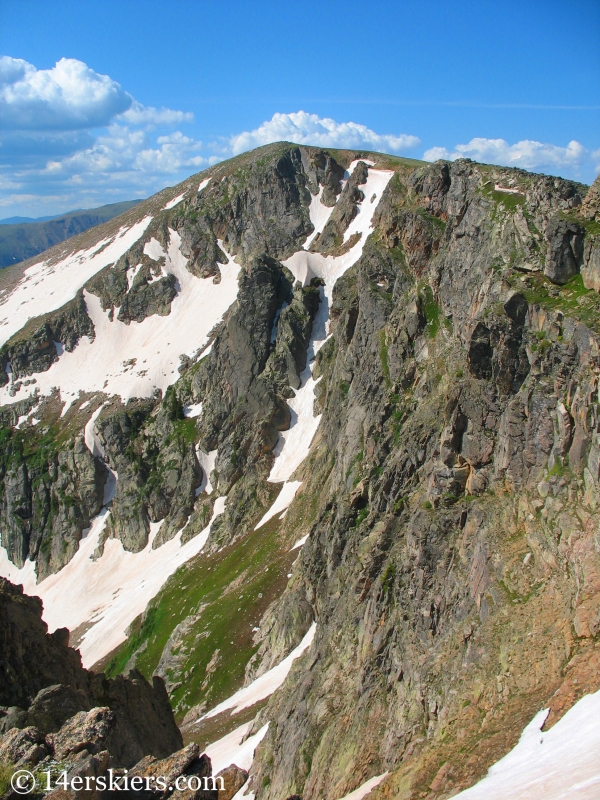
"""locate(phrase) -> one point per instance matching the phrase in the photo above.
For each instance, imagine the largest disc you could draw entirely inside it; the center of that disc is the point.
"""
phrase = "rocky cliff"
(392, 366)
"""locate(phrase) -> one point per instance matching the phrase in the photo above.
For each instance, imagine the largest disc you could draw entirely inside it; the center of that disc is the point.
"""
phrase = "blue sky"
(105, 101)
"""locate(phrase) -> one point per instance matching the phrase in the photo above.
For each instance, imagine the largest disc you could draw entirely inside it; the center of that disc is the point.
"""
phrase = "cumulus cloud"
(67, 97)
(74, 137)
(126, 154)
(304, 128)
(526, 154)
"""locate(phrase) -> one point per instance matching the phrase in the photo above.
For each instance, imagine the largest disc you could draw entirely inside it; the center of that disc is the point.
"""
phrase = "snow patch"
(232, 750)
(175, 201)
(367, 787)
(131, 273)
(266, 684)
(203, 185)
(506, 189)
(284, 498)
(560, 764)
(192, 411)
(300, 543)
(319, 216)
(207, 462)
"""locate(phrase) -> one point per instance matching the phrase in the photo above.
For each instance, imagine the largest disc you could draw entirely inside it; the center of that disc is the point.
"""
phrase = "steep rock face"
(50, 496)
(450, 465)
(259, 210)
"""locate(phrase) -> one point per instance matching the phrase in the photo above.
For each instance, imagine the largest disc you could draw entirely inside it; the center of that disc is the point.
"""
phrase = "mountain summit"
(313, 436)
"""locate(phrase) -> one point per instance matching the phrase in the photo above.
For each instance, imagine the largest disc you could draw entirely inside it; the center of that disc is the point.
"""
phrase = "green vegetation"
(573, 299)
(560, 468)
(383, 355)
(430, 308)
(388, 577)
(438, 223)
(361, 517)
(223, 596)
(507, 199)
(590, 225)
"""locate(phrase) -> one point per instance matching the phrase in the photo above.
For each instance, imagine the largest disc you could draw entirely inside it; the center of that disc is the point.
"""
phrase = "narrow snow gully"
(294, 444)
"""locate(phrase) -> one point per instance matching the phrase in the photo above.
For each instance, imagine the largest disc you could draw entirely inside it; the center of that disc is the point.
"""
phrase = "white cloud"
(304, 128)
(71, 137)
(526, 154)
(70, 96)
(138, 114)
(67, 97)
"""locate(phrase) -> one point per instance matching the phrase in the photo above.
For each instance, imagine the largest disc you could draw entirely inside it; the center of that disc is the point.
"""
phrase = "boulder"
(25, 747)
(233, 779)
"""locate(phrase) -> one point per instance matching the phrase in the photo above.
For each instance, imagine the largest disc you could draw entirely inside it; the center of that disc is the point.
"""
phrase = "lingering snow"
(131, 273)
(241, 796)
(207, 462)
(232, 750)
(107, 594)
(203, 185)
(284, 498)
(90, 437)
(294, 444)
(300, 543)
(377, 180)
(319, 216)
(94, 445)
(133, 360)
(26, 416)
(175, 201)
(355, 163)
(45, 287)
(367, 787)
(192, 411)
(560, 764)
(506, 189)
(266, 684)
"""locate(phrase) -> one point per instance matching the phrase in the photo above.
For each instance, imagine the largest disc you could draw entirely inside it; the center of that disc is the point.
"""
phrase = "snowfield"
(45, 287)
(133, 360)
(107, 594)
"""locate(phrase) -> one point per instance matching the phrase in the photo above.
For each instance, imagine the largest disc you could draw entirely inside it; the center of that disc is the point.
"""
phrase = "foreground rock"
(45, 691)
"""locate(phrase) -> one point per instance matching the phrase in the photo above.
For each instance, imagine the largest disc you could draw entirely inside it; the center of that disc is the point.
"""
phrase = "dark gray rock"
(565, 250)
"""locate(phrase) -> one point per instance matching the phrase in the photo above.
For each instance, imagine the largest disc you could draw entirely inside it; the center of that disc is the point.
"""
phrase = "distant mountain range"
(23, 237)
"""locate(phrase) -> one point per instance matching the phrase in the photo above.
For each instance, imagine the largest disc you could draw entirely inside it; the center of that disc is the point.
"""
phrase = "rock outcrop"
(45, 691)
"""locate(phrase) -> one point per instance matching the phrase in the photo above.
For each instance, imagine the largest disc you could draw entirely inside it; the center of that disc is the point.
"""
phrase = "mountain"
(313, 437)
(26, 238)
(13, 220)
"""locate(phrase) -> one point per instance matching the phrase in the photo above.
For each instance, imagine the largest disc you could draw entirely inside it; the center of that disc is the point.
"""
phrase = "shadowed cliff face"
(448, 495)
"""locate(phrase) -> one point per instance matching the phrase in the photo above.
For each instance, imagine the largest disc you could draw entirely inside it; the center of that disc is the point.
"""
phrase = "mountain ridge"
(410, 352)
